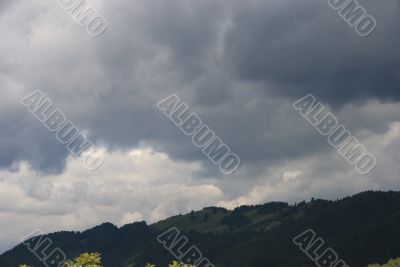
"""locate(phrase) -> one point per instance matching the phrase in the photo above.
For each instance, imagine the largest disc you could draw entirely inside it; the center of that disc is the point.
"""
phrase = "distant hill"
(362, 229)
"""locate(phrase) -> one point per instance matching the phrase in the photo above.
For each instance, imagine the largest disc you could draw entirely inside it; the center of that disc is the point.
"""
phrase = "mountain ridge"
(362, 228)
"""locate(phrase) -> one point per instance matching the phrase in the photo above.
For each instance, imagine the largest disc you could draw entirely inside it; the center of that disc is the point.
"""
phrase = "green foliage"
(362, 229)
(178, 264)
(187, 223)
(94, 260)
(86, 260)
(391, 263)
(173, 264)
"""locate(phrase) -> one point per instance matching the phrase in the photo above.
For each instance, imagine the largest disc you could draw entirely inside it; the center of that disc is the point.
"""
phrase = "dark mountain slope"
(362, 229)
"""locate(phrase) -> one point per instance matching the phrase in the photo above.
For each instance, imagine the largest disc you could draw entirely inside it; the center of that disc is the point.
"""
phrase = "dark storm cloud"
(25, 138)
(300, 47)
(238, 65)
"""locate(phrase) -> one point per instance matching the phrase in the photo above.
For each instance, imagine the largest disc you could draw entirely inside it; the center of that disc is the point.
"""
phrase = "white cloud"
(130, 186)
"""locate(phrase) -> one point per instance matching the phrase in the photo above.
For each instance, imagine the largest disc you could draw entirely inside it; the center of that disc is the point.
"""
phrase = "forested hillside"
(362, 229)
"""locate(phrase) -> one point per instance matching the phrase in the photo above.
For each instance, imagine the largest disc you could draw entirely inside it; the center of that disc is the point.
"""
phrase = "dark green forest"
(362, 229)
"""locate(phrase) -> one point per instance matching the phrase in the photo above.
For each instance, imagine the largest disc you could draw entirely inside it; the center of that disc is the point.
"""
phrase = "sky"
(239, 65)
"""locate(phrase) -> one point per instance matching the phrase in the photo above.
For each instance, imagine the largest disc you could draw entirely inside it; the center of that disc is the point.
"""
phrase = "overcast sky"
(238, 64)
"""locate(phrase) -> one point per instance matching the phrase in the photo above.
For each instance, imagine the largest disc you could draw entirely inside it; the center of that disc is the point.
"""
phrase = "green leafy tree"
(391, 263)
(173, 264)
(85, 260)
(94, 260)
(179, 264)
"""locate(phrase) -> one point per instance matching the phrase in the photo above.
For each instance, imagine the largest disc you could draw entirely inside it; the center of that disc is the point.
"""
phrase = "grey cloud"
(306, 47)
(238, 64)
(4, 4)
(269, 51)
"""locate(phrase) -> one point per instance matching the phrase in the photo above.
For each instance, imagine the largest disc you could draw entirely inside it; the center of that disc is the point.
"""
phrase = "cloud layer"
(239, 66)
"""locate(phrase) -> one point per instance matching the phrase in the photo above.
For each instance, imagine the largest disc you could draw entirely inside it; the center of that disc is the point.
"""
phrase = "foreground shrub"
(391, 263)
(94, 260)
